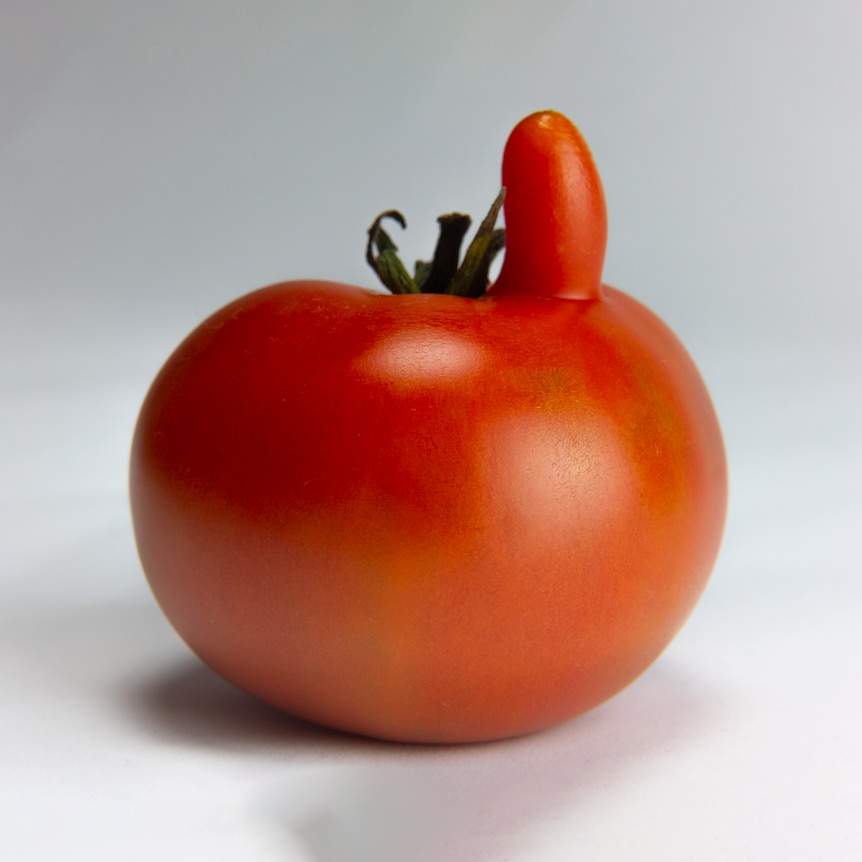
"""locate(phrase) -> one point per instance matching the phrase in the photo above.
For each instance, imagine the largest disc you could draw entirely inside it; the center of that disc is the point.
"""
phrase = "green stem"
(442, 274)
(437, 274)
(472, 277)
(386, 263)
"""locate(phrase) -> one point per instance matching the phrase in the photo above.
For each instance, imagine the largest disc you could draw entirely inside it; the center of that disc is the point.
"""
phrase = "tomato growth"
(447, 513)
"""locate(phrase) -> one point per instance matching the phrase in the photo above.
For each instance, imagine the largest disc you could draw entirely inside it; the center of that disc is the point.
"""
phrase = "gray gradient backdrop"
(157, 159)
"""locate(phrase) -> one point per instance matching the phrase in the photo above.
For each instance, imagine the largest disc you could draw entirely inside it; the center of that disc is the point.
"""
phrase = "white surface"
(158, 159)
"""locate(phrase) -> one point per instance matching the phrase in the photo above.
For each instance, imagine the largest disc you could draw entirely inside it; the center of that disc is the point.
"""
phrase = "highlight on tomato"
(447, 513)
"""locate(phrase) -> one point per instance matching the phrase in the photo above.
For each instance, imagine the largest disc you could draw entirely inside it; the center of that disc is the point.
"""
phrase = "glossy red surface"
(424, 517)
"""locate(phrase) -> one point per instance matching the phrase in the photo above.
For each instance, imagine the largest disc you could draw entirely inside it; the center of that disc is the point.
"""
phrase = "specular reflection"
(422, 356)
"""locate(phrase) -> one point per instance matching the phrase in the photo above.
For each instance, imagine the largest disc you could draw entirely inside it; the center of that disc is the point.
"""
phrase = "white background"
(158, 159)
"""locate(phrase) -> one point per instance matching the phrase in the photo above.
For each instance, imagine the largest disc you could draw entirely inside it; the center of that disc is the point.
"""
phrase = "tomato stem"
(435, 276)
(471, 279)
(387, 264)
(442, 274)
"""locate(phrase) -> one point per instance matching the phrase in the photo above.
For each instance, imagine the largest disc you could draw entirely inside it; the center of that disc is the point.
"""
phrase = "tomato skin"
(556, 220)
(427, 518)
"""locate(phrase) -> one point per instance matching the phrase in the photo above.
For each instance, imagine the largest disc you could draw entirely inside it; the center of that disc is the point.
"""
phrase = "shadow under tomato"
(188, 704)
(346, 798)
(485, 802)
(332, 797)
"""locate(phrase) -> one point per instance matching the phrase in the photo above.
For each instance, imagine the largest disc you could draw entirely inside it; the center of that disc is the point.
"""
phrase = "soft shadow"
(349, 799)
(483, 802)
(188, 704)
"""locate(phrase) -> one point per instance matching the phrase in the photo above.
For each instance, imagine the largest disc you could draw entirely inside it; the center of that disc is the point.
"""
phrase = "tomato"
(433, 517)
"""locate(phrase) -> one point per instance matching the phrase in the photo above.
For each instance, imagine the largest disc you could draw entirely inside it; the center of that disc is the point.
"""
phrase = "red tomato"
(434, 518)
